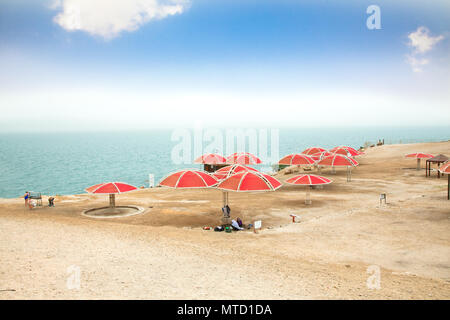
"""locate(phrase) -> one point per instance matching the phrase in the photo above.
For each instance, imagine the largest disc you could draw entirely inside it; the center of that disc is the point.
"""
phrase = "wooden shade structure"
(439, 159)
(445, 169)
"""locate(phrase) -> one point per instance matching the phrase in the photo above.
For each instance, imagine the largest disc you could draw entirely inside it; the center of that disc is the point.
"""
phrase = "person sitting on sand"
(51, 202)
(26, 196)
(235, 225)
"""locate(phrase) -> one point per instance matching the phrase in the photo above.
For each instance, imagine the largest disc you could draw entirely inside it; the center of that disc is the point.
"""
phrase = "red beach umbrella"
(345, 151)
(248, 181)
(211, 158)
(189, 179)
(320, 155)
(308, 180)
(243, 158)
(344, 147)
(418, 156)
(313, 150)
(339, 160)
(445, 169)
(111, 188)
(228, 171)
(297, 159)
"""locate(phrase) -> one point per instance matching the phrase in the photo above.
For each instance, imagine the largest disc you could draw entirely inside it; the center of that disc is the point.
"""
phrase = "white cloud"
(421, 42)
(108, 18)
(416, 63)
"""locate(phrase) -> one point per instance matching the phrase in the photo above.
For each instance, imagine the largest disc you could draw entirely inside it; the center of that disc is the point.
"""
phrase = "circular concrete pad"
(116, 212)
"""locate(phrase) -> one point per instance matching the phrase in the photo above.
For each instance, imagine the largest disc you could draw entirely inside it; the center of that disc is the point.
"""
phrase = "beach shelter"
(346, 151)
(228, 171)
(188, 179)
(248, 181)
(344, 147)
(418, 156)
(339, 160)
(297, 159)
(320, 155)
(243, 158)
(308, 180)
(439, 159)
(313, 150)
(111, 188)
(445, 169)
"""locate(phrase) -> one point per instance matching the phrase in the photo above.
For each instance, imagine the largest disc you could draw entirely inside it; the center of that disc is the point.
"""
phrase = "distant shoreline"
(44, 194)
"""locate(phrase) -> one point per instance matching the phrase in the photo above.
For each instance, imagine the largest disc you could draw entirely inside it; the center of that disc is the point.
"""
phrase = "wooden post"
(112, 200)
(418, 163)
(448, 188)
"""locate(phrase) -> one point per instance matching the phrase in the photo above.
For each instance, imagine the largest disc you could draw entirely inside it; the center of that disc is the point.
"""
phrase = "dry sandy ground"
(165, 254)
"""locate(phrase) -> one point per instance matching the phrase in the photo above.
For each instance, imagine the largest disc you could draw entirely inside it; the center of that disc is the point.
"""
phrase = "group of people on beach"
(30, 203)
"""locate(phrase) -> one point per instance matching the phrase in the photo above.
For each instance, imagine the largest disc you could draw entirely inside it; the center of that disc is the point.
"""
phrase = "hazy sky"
(142, 64)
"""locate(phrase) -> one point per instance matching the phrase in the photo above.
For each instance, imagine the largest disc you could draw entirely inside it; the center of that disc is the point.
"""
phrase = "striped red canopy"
(313, 150)
(297, 159)
(320, 155)
(189, 179)
(228, 171)
(344, 147)
(243, 158)
(345, 151)
(111, 187)
(337, 160)
(211, 158)
(249, 181)
(308, 179)
(419, 155)
(445, 168)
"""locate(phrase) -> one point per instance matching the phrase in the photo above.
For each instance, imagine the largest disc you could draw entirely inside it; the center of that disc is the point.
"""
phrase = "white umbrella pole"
(225, 198)
(308, 195)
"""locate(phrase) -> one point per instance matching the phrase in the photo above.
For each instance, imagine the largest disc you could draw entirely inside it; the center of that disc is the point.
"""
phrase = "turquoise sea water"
(67, 163)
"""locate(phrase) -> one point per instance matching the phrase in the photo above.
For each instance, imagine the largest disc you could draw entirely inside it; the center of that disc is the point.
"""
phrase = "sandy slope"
(165, 254)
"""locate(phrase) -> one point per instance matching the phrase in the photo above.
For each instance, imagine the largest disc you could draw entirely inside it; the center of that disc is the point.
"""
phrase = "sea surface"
(67, 163)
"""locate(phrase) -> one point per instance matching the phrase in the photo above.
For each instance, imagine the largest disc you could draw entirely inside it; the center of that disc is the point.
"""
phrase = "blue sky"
(219, 62)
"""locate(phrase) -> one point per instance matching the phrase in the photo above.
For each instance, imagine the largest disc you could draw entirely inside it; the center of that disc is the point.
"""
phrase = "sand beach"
(164, 253)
